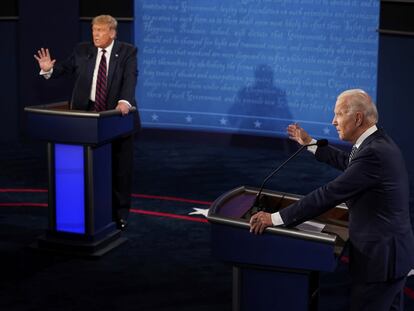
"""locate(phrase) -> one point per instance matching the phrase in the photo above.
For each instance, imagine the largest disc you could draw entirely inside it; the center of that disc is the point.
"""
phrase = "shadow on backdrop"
(261, 108)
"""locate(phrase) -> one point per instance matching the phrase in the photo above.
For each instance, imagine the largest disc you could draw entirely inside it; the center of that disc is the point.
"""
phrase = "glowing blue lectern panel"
(252, 66)
(70, 188)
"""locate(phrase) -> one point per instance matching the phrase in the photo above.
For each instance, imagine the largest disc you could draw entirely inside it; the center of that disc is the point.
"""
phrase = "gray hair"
(358, 100)
(105, 19)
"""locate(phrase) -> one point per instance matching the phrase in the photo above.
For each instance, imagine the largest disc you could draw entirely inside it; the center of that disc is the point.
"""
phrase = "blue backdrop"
(252, 66)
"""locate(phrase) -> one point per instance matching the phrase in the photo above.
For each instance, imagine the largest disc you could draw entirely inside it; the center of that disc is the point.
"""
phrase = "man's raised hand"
(298, 134)
(44, 60)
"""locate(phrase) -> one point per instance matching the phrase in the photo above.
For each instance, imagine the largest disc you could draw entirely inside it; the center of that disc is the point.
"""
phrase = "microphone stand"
(256, 203)
(257, 207)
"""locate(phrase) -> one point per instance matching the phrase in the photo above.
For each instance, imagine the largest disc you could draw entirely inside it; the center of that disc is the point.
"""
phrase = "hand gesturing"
(44, 60)
(298, 134)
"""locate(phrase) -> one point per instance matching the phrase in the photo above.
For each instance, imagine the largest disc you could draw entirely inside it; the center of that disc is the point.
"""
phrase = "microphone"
(256, 204)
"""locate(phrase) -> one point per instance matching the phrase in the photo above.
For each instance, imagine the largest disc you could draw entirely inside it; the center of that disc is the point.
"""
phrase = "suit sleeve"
(129, 77)
(63, 68)
(333, 156)
(362, 173)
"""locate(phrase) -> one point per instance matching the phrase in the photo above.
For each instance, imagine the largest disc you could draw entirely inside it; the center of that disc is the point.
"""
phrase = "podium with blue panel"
(278, 270)
(80, 176)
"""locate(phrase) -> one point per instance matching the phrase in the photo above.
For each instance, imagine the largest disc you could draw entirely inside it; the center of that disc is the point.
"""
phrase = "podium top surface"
(233, 208)
(62, 109)
(57, 123)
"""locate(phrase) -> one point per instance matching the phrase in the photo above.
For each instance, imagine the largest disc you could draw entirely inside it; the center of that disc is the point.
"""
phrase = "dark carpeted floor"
(166, 263)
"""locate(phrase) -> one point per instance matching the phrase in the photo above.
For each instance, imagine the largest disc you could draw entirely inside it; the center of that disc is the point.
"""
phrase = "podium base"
(268, 288)
(79, 247)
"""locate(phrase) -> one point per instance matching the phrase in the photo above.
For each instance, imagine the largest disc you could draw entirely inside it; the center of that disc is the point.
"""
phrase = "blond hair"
(105, 19)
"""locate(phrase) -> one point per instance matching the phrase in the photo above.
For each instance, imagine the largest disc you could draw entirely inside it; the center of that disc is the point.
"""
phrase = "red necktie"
(100, 95)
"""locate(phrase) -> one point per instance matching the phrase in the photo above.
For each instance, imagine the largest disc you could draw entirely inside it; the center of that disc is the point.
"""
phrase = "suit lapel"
(366, 142)
(370, 138)
(113, 63)
(90, 65)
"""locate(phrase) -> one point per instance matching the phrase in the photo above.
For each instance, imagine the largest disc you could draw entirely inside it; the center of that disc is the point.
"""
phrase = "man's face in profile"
(102, 35)
(345, 121)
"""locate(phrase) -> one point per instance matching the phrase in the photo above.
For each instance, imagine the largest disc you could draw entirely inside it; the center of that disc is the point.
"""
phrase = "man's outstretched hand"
(44, 60)
(298, 134)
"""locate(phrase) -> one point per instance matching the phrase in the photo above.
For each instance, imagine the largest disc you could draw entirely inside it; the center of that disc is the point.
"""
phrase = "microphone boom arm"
(319, 143)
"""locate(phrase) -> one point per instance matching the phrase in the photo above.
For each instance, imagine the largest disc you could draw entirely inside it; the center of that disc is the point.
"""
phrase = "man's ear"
(359, 118)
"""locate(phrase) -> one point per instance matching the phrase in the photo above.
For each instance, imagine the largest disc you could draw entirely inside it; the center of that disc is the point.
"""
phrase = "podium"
(80, 176)
(278, 270)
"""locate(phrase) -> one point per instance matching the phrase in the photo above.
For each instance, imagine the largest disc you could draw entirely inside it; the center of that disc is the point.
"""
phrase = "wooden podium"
(278, 270)
(80, 176)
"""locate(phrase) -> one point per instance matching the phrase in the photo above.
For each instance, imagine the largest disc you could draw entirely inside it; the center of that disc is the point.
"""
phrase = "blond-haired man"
(105, 72)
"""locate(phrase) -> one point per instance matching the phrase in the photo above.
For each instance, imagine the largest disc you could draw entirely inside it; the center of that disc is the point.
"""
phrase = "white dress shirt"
(108, 49)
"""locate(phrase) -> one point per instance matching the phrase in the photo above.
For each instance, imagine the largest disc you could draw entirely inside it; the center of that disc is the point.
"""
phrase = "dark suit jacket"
(376, 190)
(122, 75)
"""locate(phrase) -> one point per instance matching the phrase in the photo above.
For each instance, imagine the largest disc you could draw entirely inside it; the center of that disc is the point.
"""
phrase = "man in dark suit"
(105, 73)
(374, 185)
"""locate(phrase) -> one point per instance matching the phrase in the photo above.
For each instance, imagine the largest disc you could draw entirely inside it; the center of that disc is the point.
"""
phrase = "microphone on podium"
(256, 205)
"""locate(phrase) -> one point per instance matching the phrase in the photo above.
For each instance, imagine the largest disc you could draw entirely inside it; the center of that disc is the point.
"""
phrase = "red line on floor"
(166, 198)
(136, 211)
(407, 291)
(134, 195)
(24, 204)
(169, 215)
(22, 190)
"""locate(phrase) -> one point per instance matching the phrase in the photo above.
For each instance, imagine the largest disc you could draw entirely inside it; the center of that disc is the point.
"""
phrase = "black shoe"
(121, 224)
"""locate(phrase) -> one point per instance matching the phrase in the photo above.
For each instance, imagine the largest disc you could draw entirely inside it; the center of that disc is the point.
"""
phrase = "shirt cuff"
(46, 74)
(125, 102)
(277, 219)
(312, 148)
